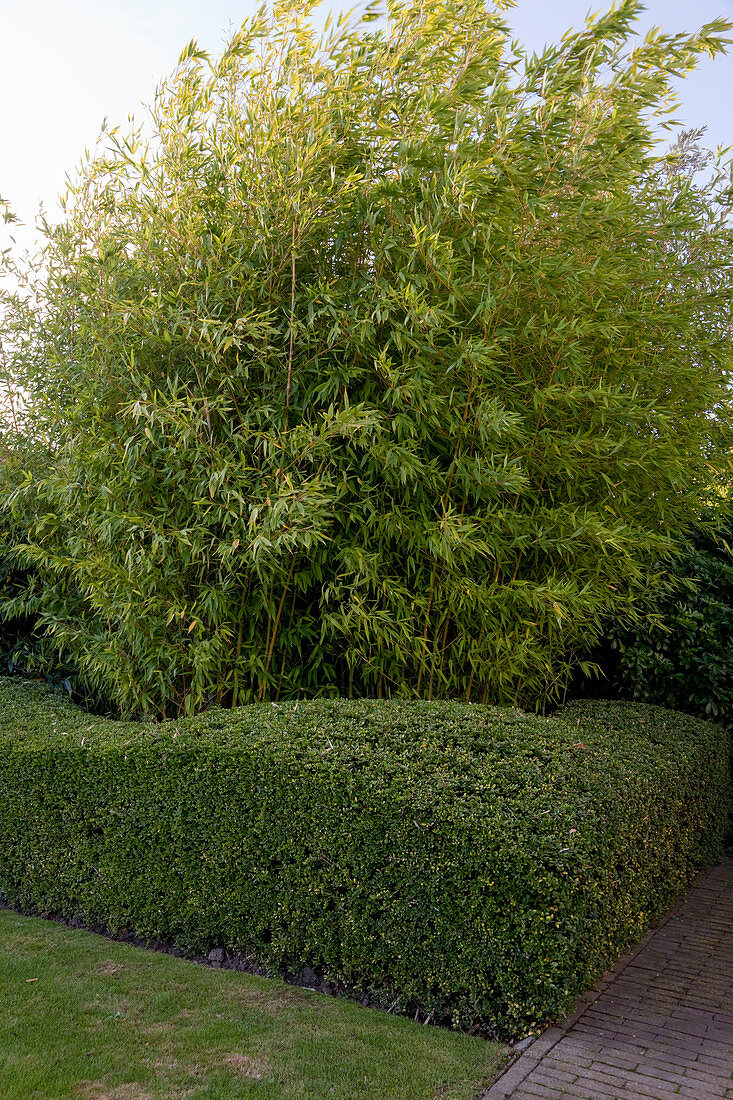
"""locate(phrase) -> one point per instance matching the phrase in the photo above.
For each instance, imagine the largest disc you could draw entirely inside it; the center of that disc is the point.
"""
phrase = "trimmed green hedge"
(479, 864)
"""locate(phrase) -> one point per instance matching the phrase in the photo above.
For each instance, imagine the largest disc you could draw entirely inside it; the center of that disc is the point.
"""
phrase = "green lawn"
(82, 1016)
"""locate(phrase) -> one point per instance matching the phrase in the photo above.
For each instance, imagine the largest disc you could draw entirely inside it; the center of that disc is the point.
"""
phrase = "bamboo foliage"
(376, 370)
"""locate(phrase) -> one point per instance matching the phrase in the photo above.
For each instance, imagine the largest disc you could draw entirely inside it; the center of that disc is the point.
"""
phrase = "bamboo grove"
(384, 361)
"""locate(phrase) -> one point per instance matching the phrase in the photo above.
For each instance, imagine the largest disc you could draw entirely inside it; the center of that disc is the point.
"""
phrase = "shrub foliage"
(477, 865)
(383, 367)
(681, 653)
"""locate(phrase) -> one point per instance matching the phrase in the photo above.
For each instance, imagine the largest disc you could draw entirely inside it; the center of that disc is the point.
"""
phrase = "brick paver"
(660, 1025)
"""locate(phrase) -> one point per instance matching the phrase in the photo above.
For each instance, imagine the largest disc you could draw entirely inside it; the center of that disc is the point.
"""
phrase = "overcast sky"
(66, 64)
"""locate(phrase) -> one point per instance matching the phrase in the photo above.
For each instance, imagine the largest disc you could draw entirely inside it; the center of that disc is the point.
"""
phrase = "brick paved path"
(659, 1025)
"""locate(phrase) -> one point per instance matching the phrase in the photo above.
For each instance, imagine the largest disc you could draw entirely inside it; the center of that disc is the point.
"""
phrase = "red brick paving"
(660, 1025)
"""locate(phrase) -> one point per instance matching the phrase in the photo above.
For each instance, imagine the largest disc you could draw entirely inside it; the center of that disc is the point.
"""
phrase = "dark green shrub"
(26, 650)
(478, 864)
(681, 654)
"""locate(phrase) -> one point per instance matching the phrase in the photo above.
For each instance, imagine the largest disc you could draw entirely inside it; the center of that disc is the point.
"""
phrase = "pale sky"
(66, 64)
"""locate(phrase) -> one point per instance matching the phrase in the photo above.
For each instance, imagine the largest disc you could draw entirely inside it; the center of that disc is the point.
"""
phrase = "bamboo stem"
(277, 622)
(425, 631)
(292, 324)
(470, 678)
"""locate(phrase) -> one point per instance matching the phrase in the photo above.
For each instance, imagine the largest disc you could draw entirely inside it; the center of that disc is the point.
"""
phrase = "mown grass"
(85, 1017)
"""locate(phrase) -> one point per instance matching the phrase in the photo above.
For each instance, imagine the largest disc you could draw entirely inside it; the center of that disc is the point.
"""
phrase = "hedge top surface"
(467, 752)
(32, 714)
